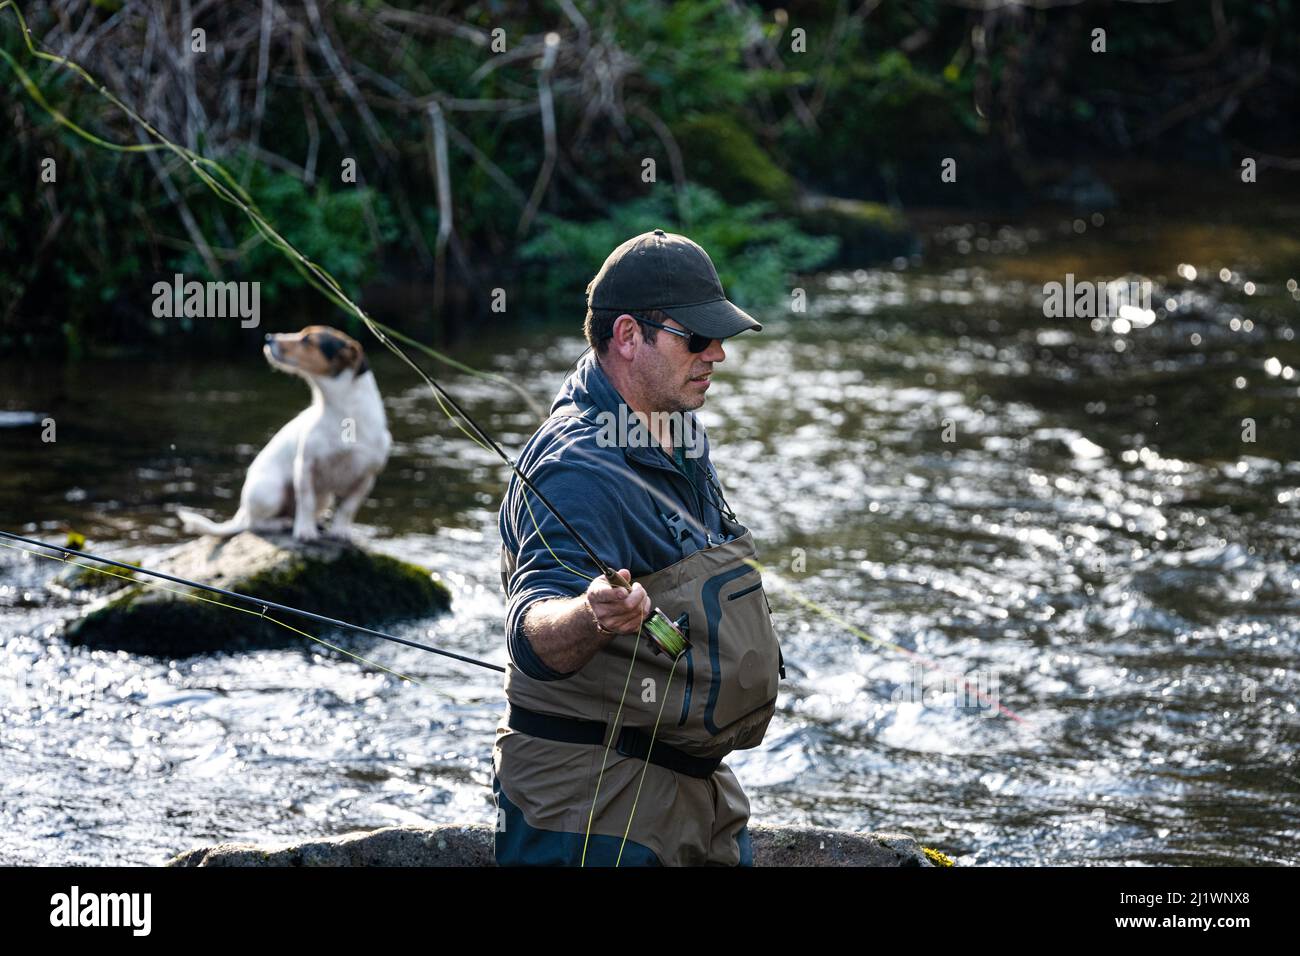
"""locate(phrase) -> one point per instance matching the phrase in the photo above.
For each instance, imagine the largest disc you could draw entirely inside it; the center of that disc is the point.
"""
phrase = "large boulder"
(146, 615)
(471, 845)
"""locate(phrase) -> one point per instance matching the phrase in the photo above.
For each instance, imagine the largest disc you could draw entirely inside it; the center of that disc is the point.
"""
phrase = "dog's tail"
(197, 524)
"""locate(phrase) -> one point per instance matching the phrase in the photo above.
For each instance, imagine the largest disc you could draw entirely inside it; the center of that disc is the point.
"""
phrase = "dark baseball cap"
(665, 271)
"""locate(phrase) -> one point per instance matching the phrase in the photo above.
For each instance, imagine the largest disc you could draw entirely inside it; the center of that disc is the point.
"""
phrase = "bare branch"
(548, 132)
(442, 181)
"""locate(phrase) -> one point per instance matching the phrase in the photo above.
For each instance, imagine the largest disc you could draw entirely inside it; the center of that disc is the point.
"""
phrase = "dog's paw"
(305, 532)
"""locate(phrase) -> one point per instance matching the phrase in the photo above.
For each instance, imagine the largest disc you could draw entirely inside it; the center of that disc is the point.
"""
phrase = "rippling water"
(1095, 549)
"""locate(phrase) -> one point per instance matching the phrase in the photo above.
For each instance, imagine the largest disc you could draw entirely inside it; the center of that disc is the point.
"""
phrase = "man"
(610, 751)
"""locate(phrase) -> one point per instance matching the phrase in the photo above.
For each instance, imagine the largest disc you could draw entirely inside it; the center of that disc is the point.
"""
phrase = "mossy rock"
(720, 153)
(326, 577)
(868, 231)
(85, 579)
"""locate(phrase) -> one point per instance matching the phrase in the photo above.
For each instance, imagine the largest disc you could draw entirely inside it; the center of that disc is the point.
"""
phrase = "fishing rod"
(670, 635)
(263, 603)
(662, 633)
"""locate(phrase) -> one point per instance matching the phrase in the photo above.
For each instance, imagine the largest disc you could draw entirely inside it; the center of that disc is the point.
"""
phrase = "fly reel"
(666, 635)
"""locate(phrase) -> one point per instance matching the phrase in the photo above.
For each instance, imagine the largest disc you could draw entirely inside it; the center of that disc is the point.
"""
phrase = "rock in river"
(471, 845)
(325, 576)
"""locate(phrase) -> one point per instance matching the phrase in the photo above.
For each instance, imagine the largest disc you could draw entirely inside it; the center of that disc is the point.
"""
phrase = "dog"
(333, 449)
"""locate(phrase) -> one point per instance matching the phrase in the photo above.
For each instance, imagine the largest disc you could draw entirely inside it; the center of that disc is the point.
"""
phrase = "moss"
(867, 231)
(937, 858)
(368, 586)
(721, 153)
(859, 213)
(98, 578)
(123, 599)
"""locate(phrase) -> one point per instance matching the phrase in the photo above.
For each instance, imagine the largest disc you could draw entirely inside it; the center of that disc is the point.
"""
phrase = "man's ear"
(625, 343)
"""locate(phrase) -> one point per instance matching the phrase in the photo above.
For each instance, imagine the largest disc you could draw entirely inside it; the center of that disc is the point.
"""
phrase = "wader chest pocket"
(744, 658)
(780, 658)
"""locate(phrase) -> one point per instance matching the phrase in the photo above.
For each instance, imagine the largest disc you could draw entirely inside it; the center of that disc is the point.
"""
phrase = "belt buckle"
(623, 745)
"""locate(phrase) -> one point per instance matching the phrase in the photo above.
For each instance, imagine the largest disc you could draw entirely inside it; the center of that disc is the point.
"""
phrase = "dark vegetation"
(519, 170)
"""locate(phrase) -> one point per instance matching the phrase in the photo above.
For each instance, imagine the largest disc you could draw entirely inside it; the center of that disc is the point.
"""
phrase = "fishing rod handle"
(613, 578)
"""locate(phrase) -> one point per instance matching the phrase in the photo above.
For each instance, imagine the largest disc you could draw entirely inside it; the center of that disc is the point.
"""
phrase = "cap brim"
(717, 320)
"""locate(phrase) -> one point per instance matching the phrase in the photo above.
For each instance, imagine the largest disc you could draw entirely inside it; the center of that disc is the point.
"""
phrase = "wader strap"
(680, 534)
(631, 742)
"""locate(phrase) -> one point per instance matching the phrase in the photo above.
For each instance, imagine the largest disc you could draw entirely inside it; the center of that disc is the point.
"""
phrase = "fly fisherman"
(624, 460)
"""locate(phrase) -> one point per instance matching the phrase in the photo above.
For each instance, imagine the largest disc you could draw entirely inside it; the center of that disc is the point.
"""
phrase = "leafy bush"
(754, 252)
(327, 226)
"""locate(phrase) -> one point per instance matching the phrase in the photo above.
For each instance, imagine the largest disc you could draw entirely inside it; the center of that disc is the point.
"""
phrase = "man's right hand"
(617, 609)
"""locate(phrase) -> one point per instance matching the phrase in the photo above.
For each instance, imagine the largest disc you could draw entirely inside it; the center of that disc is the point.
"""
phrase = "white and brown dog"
(333, 449)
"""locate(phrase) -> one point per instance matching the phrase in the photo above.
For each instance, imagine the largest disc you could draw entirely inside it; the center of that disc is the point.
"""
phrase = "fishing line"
(324, 282)
(260, 602)
(614, 730)
(187, 594)
(661, 633)
(646, 763)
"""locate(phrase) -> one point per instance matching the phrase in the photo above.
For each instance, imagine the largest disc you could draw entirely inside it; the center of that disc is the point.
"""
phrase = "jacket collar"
(589, 386)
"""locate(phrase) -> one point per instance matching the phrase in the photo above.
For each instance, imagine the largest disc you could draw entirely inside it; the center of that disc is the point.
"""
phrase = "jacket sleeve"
(549, 561)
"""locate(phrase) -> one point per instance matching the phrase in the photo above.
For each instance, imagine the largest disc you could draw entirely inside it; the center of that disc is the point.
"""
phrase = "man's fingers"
(618, 605)
(611, 596)
(614, 592)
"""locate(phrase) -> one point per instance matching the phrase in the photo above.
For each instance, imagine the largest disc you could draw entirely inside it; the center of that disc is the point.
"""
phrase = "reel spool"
(665, 635)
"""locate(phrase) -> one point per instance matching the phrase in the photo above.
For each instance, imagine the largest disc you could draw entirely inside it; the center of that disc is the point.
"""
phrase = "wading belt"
(631, 742)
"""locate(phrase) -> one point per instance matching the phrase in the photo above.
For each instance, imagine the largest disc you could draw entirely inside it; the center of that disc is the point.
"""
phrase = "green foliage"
(755, 253)
(690, 50)
(328, 226)
(866, 113)
(890, 111)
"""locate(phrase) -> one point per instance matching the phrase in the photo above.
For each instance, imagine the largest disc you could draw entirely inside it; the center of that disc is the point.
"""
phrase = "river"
(1067, 515)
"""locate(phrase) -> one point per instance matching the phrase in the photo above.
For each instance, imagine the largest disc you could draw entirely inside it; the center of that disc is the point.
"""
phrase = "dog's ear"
(329, 346)
(342, 354)
(345, 355)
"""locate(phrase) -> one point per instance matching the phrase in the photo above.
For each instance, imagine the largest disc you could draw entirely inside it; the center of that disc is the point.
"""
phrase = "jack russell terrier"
(334, 448)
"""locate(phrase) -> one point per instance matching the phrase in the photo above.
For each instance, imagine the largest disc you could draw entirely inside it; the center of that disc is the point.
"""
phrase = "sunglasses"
(694, 342)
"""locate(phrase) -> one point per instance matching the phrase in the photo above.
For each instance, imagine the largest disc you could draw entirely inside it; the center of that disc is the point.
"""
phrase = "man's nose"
(714, 353)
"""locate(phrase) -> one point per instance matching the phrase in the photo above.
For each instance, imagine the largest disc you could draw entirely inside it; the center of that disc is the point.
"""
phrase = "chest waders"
(722, 694)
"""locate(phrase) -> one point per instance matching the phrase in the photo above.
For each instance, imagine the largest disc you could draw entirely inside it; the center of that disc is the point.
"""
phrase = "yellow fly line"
(221, 182)
(228, 189)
